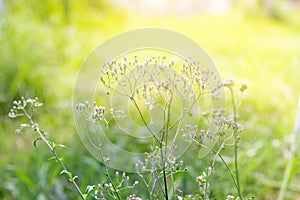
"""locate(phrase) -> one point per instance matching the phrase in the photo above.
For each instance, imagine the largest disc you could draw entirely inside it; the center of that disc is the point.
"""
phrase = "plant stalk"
(288, 171)
(42, 137)
(236, 141)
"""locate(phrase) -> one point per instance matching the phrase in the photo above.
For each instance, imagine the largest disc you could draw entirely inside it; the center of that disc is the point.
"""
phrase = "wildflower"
(202, 132)
(223, 119)
(193, 134)
(133, 197)
(172, 62)
(181, 163)
(243, 87)
(230, 197)
(201, 179)
(228, 82)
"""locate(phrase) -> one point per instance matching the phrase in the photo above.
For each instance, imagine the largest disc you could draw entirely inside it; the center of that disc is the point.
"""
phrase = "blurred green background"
(44, 43)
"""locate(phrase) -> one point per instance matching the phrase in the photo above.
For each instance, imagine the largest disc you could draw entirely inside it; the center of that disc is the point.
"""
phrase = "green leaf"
(89, 188)
(35, 141)
(61, 145)
(68, 173)
(75, 177)
(52, 158)
(53, 145)
(43, 132)
(63, 172)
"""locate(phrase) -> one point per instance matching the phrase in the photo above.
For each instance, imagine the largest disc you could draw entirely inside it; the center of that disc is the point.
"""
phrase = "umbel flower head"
(157, 99)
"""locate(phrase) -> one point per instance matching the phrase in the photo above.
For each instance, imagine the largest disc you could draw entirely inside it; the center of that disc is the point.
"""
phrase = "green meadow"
(44, 44)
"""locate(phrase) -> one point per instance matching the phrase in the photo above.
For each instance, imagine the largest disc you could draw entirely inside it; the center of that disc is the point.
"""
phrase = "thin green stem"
(146, 184)
(151, 132)
(207, 182)
(228, 168)
(236, 140)
(164, 155)
(143, 119)
(112, 183)
(164, 172)
(42, 137)
(293, 150)
(168, 119)
(108, 175)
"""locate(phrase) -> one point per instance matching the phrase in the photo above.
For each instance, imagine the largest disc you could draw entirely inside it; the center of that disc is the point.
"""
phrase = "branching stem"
(236, 141)
(42, 137)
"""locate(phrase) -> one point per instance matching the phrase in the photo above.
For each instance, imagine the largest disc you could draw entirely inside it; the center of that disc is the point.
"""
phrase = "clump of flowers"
(26, 108)
(158, 82)
(175, 93)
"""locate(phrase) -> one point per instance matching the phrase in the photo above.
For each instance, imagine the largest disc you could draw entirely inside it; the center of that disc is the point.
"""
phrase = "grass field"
(42, 51)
